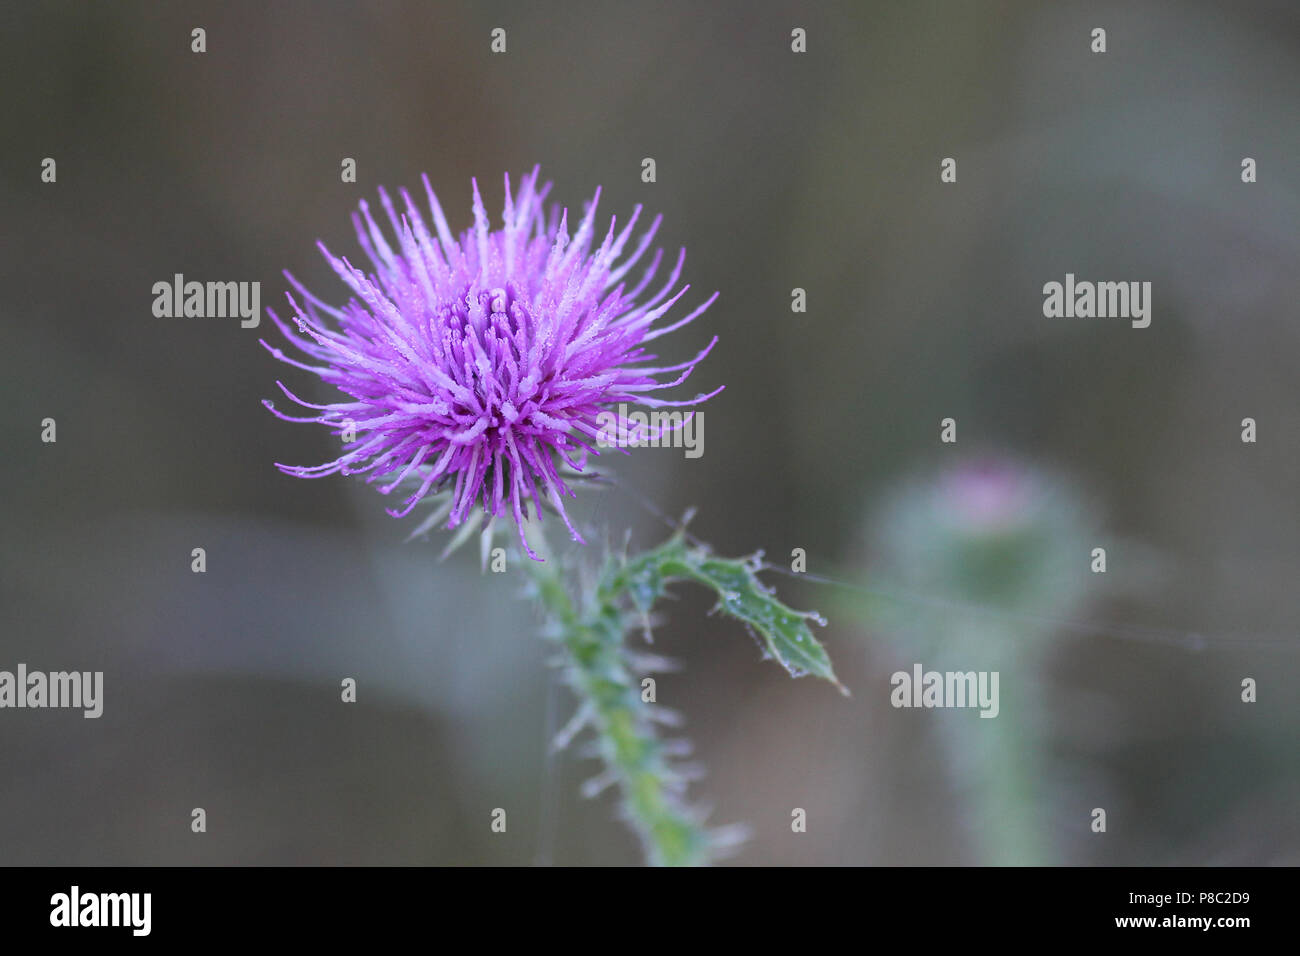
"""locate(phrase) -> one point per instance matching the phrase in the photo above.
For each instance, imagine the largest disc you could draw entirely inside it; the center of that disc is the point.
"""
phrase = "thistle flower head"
(477, 366)
(994, 530)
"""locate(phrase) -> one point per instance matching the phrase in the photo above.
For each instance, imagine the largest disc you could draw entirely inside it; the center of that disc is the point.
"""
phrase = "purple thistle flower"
(480, 366)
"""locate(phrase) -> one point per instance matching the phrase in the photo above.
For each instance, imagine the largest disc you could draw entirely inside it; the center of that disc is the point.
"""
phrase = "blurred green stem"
(1005, 780)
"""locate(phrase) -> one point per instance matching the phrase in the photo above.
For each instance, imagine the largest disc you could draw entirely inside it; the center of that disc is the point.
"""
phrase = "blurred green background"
(776, 170)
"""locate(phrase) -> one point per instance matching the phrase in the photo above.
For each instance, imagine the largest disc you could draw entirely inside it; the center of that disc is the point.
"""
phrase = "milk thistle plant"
(476, 369)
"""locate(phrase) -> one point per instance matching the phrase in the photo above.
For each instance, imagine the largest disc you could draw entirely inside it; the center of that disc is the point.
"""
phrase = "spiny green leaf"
(784, 631)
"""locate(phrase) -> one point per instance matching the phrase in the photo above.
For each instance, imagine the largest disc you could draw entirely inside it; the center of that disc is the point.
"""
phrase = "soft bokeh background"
(775, 170)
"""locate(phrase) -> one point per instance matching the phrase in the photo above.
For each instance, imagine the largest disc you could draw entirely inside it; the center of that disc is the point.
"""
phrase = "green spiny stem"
(600, 670)
(592, 637)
